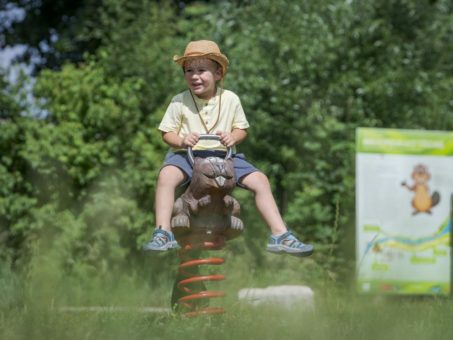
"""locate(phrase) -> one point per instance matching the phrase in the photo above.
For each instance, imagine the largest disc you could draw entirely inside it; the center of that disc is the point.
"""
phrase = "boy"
(202, 109)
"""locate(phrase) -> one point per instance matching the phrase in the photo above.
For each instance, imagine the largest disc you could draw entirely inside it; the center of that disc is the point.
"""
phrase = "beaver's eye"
(210, 174)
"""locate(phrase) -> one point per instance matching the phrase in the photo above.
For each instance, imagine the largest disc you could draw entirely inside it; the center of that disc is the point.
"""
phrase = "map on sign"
(404, 187)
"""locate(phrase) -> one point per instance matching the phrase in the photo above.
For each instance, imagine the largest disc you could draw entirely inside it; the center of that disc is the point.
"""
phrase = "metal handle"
(207, 137)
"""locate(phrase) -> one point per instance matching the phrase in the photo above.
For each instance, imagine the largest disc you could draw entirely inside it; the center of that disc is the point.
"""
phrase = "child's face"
(201, 75)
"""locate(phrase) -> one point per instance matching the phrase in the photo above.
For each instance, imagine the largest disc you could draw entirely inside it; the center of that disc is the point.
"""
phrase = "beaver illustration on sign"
(207, 205)
(422, 201)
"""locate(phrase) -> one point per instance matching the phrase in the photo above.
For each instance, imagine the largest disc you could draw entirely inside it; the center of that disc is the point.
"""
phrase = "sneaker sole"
(290, 251)
(168, 246)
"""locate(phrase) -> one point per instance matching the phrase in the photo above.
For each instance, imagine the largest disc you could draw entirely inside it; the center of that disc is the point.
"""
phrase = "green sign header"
(406, 142)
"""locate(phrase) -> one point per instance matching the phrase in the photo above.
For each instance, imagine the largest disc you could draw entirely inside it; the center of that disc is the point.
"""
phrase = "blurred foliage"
(79, 162)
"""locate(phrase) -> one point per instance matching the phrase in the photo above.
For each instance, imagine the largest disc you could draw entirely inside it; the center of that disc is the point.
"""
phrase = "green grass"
(346, 317)
(31, 309)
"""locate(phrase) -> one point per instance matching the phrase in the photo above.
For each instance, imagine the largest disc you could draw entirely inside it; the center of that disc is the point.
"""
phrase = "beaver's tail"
(435, 198)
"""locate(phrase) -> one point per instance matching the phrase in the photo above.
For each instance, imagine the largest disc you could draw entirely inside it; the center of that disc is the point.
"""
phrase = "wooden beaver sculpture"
(206, 206)
(205, 212)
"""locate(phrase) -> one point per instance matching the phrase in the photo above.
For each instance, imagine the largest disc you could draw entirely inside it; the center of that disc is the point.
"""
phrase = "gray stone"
(284, 296)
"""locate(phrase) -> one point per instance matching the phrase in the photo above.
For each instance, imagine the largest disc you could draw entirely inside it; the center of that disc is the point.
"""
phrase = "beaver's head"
(420, 174)
(213, 173)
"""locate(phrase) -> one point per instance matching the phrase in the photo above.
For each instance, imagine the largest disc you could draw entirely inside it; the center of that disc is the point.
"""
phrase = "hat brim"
(218, 57)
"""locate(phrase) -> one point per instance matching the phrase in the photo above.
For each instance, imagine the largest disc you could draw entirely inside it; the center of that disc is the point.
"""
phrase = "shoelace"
(291, 241)
(160, 239)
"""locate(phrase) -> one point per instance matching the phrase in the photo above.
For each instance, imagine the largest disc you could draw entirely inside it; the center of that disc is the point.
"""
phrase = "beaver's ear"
(197, 162)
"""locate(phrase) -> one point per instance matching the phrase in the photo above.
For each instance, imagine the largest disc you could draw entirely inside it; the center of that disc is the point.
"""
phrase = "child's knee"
(256, 181)
(171, 175)
(260, 178)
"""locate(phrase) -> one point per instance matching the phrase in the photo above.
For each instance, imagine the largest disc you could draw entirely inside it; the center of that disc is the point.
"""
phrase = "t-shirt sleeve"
(240, 120)
(171, 122)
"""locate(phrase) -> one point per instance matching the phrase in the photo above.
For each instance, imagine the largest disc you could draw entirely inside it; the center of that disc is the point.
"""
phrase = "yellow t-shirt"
(182, 117)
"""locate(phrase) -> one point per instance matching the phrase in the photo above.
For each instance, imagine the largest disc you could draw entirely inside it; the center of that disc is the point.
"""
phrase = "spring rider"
(204, 217)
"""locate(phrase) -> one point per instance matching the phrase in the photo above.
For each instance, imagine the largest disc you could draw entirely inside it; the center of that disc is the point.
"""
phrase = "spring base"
(190, 296)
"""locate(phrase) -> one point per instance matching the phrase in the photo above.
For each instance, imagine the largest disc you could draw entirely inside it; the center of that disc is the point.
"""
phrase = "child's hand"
(190, 140)
(226, 138)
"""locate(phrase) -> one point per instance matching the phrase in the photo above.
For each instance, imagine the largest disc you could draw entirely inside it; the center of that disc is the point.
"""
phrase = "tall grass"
(31, 308)
(335, 317)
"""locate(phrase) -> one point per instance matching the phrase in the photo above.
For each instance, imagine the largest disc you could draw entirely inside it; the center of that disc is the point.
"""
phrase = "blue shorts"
(179, 159)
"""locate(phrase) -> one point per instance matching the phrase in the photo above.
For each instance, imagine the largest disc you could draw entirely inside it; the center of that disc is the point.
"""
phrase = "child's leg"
(169, 178)
(163, 239)
(281, 240)
(258, 183)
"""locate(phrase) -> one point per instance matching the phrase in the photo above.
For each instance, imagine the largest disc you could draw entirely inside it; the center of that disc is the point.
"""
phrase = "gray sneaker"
(161, 240)
(288, 244)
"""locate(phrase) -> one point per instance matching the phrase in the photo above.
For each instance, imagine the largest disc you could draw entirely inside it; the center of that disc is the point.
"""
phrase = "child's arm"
(232, 138)
(175, 141)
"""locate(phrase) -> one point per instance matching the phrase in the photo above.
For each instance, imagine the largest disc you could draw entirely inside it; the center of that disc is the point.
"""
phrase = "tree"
(53, 31)
(16, 192)
(316, 71)
(308, 74)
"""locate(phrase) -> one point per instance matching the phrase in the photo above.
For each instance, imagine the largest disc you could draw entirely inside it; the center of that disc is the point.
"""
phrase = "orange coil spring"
(192, 299)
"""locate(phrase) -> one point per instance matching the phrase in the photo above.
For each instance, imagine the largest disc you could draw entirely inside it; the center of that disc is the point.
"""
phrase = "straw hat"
(203, 48)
